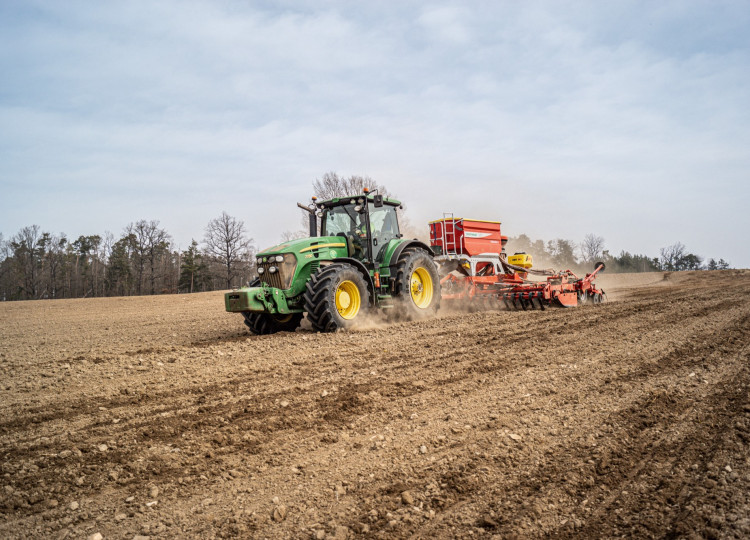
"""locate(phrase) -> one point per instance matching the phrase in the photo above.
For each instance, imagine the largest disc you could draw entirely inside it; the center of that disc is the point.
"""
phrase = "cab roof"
(336, 201)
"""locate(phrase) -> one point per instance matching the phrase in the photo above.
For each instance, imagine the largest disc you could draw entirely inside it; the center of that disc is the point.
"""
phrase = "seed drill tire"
(320, 297)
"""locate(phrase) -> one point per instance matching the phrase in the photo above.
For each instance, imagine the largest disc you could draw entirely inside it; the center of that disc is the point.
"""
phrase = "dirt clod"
(407, 497)
(279, 513)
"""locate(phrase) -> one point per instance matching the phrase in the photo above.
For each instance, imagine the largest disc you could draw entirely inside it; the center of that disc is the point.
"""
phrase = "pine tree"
(194, 274)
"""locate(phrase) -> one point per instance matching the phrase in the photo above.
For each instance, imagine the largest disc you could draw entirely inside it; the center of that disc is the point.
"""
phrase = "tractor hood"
(288, 266)
(324, 247)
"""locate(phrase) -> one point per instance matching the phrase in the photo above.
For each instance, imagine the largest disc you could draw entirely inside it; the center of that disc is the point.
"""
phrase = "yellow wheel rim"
(282, 318)
(348, 299)
(421, 288)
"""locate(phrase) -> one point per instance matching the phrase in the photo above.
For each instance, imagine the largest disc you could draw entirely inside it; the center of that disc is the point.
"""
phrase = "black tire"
(270, 323)
(423, 299)
(267, 323)
(331, 283)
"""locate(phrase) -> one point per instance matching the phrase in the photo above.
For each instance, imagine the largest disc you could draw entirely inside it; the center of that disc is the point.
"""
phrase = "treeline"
(563, 254)
(143, 260)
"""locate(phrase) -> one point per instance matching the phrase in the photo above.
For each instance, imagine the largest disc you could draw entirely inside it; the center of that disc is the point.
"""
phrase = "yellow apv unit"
(520, 259)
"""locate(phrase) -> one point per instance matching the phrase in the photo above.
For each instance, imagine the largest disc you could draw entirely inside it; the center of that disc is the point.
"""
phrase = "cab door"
(383, 228)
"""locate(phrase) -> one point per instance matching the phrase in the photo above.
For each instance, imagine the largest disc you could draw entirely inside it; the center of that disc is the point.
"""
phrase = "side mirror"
(378, 201)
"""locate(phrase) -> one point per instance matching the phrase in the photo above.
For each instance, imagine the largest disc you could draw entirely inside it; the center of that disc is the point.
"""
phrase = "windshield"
(342, 219)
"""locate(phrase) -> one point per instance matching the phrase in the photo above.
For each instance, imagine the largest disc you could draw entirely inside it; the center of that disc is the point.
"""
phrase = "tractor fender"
(362, 270)
(397, 252)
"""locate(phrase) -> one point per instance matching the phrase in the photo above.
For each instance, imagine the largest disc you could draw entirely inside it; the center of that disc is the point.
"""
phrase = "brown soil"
(163, 417)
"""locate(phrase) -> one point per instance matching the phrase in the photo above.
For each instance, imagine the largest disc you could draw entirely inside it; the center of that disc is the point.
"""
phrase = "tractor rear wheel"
(270, 323)
(336, 296)
(417, 284)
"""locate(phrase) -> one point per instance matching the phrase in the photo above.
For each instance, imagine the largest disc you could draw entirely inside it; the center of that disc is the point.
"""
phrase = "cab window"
(384, 227)
(341, 219)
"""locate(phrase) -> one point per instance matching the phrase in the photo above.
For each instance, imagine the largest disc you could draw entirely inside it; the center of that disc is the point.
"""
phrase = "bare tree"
(157, 247)
(226, 239)
(148, 243)
(138, 240)
(332, 185)
(671, 256)
(108, 240)
(591, 247)
(55, 256)
(28, 253)
(288, 236)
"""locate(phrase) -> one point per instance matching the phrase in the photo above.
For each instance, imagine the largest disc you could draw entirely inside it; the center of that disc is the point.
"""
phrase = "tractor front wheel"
(336, 297)
(417, 284)
(270, 323)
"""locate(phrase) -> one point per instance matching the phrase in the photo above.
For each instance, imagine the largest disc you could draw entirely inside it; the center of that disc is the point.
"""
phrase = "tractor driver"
(359, 236)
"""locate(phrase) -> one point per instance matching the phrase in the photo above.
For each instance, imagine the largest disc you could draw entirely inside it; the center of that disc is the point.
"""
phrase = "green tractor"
(360, 263)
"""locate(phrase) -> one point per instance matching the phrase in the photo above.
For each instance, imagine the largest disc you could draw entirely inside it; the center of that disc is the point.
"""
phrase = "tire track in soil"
(648, 469)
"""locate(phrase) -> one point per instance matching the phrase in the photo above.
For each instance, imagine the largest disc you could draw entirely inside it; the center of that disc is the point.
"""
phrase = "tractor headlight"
(261, 270)
(272, 269)
(260, 260)
(279, 258)
(358, 208)
(319, 213)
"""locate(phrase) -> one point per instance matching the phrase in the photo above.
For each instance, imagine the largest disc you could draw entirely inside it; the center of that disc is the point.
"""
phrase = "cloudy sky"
(630, 120)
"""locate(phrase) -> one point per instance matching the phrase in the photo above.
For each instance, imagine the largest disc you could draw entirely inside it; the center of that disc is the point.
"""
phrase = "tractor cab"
(367, 222)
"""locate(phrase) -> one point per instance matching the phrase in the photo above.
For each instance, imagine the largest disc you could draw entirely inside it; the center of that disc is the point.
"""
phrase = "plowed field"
(162, 417)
